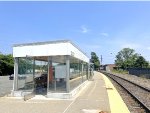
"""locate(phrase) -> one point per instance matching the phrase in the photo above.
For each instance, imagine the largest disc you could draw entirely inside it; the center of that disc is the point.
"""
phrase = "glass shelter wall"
(32, 74)
(75, 73)
(85, 71)
(25, 74)
(49, 74)
(57, 74)
(40, 75)
(78, 72)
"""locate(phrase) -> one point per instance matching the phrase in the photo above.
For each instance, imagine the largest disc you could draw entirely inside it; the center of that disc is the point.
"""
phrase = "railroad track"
(139, 93)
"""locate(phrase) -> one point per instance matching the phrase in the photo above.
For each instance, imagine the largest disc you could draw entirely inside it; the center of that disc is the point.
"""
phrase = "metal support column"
(15, 82)
(88, 68)
(67, 74)
(79, 67)
(48, 73)
(82, 71)
(86, 71)
(33, 74)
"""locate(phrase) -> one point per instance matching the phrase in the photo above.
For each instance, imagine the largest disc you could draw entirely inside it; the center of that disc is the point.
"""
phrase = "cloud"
(84, 29)
(104, 34)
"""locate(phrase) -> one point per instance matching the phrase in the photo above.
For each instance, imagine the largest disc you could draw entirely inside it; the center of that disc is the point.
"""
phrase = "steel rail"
(144, 88)
(147, 109)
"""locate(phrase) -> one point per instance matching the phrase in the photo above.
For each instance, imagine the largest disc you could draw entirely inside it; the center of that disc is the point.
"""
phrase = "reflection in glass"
(40, 75)
(78, 72)
(57, 74)
(25, 74)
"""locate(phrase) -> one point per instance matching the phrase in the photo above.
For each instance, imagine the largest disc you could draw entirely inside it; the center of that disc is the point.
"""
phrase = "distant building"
(109, 67)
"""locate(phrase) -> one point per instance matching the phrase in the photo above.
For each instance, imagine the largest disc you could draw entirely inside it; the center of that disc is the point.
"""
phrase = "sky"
(102, 27)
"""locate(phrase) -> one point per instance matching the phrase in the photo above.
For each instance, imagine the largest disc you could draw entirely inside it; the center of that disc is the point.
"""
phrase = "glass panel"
(40, 76)
(87, 71)
(75, 73)
(85, 74)
(57, 77)
(91, 71)
(25, 74)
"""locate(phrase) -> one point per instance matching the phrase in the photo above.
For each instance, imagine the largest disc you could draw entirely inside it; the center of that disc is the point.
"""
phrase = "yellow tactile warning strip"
(117, 105)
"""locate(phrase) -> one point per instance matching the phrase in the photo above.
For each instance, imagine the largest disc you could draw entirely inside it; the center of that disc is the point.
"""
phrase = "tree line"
(6, 64)
(125, 58)
(128, 58)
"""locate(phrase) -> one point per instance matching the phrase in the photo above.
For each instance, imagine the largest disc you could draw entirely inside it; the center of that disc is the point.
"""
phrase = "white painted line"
(69, 105)
(77, 95)
(92, 89)
(91, 111)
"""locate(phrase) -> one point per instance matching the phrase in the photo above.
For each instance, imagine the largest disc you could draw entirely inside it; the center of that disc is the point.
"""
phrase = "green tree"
(6, 64)
(141, 62)
(95, 60)
(126, 58)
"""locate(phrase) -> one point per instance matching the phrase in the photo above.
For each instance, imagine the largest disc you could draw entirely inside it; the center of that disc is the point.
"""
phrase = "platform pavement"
(92, 99)
(116, 103)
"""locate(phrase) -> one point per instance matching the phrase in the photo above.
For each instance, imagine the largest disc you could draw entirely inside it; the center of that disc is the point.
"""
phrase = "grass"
(120, 71)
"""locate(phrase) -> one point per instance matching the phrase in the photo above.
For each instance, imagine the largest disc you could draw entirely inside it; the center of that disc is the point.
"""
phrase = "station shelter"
(54, 69)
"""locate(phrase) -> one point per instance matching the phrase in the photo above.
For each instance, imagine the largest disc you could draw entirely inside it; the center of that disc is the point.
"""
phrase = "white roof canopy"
(50, 48)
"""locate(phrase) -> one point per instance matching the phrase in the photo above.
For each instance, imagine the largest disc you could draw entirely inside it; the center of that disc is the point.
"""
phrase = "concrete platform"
(99, 95)
(116, 103)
